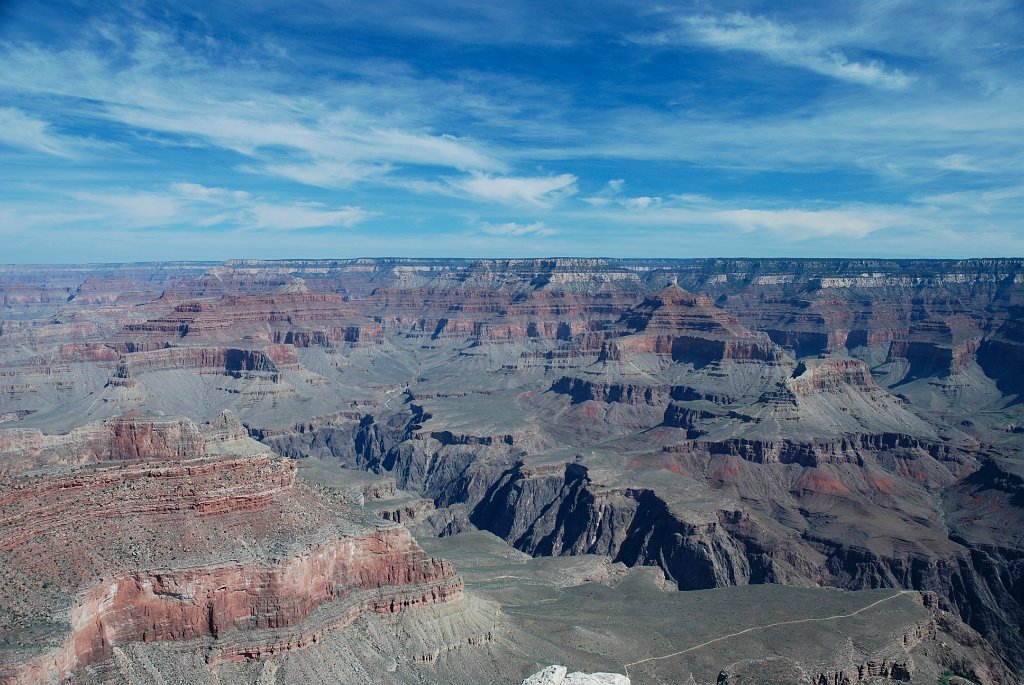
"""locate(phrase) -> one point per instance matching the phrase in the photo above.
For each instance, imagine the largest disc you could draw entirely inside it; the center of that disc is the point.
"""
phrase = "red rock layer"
(145, 545)
(126, 438)
(496, 300)
(224, 359)
(278, 317)
(831, 375)
(189, 603)
(687, 328)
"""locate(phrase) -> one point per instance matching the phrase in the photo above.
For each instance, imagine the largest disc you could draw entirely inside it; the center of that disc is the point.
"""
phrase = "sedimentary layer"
(157, 533)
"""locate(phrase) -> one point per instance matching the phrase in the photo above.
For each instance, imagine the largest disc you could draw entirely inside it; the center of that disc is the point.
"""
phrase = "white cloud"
(789, 224)
(245, 211)
(187, 204)
(201, 193)
(514, 230)
(784, 44)
(875, 131)
(20, 130)
(336, 151)
(1007, 200)
(691, 198)
(331, 136)
(961, 162)
(611, 194)
(537, 191)
(641, 203)
(304, 215)
(798, 224)
(606, 195)
(12, 222)
(134, 209)
(325, 174)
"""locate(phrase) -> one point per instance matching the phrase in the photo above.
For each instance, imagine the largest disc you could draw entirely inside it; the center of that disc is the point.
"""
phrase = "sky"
(140, 131)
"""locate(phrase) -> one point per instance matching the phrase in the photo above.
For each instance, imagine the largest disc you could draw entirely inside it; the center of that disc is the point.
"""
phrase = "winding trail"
(764, 627)
(394, 394)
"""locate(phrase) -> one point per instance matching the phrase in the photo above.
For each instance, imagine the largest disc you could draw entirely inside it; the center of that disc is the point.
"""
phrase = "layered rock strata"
(846, 422)
(139, 542)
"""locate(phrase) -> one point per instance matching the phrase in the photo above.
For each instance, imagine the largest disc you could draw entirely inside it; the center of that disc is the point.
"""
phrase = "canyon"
(441, 470)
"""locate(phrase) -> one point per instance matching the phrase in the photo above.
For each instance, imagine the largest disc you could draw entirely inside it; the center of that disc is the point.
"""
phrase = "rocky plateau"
(464, 471)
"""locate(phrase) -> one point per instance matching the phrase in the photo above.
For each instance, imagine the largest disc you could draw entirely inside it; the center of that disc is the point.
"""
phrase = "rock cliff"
(153, 516)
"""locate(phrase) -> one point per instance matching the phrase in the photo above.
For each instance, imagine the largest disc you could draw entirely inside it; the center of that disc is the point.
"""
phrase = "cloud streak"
(158, 85)
(513, 230)
(789, 224)
(187, 205)
(19, 130)
(242, 210)
(536, 191)
(781, 43)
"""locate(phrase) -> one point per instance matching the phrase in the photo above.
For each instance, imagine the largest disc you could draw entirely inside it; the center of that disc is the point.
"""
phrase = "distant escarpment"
(686, 328)
(227, 360)
(281, 317)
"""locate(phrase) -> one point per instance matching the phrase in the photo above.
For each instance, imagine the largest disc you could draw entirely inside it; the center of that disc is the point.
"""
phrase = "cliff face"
(153, 520)
(231, 601)
(879, 483)
(686, 328)
(122, 439)
(300, 314)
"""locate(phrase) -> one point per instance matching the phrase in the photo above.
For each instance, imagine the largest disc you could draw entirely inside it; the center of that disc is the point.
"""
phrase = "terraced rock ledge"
(215, 539)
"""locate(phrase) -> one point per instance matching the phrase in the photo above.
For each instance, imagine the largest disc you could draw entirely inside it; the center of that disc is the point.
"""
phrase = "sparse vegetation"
(607, 431)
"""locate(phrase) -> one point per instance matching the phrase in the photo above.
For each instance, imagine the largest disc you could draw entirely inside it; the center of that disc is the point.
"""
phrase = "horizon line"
(232, 261)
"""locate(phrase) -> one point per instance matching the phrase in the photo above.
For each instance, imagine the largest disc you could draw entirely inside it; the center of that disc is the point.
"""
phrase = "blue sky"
(134, 131)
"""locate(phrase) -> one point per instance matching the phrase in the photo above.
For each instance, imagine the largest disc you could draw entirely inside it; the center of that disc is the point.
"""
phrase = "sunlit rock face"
(156, 530)
(559, 675)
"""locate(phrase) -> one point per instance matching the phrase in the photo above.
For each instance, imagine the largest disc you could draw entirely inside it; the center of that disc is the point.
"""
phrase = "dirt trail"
(764, 627)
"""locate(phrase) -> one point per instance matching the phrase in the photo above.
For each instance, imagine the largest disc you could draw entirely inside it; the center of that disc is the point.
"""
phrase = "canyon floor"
(454, 471)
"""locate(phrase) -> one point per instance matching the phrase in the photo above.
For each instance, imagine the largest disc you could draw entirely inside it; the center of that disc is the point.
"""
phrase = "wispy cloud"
(188, 205)
(132, 208)
(304, 215)
(799, 224)
(611, 194)
(242, 210)
(607, 194)
(513, 230)
(964, 223)
(782, 43)
(324, 174)
(330, 136)
(332, 150)
(789, 224)
(19, 130)
(913, 137)
(537, 191)
(1000, 201)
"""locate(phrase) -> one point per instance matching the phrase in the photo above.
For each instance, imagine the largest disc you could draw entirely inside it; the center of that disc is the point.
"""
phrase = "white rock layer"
(558, 675)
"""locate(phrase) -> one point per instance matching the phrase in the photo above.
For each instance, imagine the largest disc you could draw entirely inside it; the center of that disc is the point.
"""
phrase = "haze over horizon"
(137, 132)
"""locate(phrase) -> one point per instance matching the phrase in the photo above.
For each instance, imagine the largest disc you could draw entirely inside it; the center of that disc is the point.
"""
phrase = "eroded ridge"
(215, 540)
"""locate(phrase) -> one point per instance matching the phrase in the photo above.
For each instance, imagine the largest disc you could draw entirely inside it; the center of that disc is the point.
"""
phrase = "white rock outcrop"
(559, 675)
